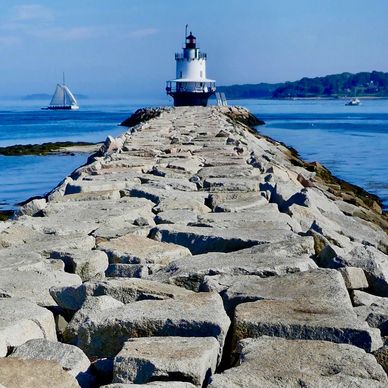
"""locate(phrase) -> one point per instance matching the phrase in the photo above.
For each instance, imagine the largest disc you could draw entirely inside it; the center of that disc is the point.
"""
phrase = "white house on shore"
(190, 87)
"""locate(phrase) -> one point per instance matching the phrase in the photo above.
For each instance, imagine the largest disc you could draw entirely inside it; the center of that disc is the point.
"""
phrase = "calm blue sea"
(22, 122)
(351, 141)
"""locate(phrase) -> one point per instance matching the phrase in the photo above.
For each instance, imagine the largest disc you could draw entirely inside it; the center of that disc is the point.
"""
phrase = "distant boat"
(63, 99)
(353, 102)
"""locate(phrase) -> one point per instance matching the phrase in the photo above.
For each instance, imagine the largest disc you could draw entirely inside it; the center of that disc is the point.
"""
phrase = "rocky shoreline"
(192, 251)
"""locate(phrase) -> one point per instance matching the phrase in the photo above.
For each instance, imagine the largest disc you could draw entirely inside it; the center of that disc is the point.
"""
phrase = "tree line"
(373, 84)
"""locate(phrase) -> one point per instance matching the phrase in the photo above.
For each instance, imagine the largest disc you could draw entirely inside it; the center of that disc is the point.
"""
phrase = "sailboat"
(353, 102)
(63, 98)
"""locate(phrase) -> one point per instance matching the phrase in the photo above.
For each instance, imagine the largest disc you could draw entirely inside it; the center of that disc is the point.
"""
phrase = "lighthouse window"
(201, 73)
(181, 75)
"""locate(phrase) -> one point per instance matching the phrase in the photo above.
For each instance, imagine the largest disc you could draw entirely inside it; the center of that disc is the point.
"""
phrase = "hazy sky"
(125, 48)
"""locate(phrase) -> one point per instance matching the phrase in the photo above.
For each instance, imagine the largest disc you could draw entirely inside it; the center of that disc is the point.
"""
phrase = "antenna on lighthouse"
(186, 30)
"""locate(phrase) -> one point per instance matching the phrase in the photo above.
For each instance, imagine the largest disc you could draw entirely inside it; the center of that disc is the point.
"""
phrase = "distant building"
(191, 87)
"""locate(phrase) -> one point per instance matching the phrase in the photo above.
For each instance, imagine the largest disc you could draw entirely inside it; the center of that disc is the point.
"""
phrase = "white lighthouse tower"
(191, 87)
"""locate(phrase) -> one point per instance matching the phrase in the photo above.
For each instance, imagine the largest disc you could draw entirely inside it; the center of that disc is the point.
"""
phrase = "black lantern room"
(191, 41)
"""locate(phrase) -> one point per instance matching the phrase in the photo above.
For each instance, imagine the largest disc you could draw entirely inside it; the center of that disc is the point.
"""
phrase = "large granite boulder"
(71, 358)
(122, 289)
(306, 305)
(103, 333)
(154, 384)
(204, 239)
(22, 320)
(86, 264)
(276, 362)
(372, 261)
(90, 304)
(35, 285)
(15, 373)
(262, 260)
(191, 359)
(131, 249)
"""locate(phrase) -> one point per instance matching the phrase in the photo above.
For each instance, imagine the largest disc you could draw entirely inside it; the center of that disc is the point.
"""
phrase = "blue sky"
(125, 48)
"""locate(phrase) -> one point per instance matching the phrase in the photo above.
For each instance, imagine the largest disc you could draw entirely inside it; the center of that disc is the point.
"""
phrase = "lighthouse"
(190, 87)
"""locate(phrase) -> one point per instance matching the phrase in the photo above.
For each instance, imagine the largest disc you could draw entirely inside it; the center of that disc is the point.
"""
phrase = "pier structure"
(187, 243)
(190, 87)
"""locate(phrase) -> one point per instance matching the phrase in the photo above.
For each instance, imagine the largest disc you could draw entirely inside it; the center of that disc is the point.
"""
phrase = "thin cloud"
(7, 41)
(90, 32)
(33, 12)
(141, 33)
(62, 33)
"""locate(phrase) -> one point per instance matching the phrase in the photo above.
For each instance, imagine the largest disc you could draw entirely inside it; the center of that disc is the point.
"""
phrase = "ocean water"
(21, 122)
(351, 141)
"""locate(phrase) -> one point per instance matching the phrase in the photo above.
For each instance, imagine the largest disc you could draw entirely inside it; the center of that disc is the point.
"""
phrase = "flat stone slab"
(276, 362)
(183, 217)
(195, 203)
(132, 249)
(81, 186)
(119, 270)
(15, 258)
(37, 241)
(261, 260)
(35, 285)
(15, 373)
(169, 183)
(122, 289)
(154, 384)
(91, 196)
(306, 305)
(260, 220)
(231, 184)
(141, 360)
(190, 165)
(354, 278)
(239, 171)
(22, 320)
(204, 239)
(89, 215)
(362, 298)
(71, 358)
(103, 334)
(171, 199)
(234, 202)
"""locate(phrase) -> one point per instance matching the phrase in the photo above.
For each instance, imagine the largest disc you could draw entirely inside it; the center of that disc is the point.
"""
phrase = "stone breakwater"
(191, 251)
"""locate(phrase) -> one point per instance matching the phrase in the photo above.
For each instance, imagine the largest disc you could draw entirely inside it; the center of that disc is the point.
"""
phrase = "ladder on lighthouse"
(221, 99)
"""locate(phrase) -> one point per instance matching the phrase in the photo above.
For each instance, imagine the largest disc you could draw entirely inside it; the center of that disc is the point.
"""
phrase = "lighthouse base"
(190, 98)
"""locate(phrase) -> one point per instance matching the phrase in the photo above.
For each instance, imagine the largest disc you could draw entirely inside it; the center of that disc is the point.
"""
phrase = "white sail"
(63, 99)
(70, 99)
(59, 96)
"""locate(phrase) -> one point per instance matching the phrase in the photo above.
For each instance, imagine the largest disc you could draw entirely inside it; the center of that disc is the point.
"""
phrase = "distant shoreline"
(308, 98)
(345, 85)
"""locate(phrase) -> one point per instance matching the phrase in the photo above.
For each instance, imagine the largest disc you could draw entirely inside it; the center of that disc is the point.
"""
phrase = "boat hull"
(190, 98)
(65, 107)
(353, 102)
